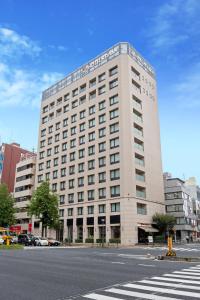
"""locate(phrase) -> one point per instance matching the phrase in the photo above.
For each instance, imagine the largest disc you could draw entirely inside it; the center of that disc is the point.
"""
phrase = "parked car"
(40, 241)
(14, 239)
(53, 242)
(25, 239)
(1, 240)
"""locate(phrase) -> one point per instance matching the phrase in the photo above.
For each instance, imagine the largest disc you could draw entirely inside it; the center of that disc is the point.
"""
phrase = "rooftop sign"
(121, 48)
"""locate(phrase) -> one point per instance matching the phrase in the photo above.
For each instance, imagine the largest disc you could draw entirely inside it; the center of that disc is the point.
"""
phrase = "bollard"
(170, 252)
(7, 242)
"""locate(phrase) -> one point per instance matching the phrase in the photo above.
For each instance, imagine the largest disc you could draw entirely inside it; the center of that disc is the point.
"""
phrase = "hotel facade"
(99, 147)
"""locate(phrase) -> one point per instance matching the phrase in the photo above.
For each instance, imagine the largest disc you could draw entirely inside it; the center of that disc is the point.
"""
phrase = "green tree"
(7, 210)
(164, 223)
(44, 206)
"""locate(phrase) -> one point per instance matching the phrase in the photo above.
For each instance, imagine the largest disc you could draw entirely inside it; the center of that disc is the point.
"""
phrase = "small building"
(23, 189)
(179, 203)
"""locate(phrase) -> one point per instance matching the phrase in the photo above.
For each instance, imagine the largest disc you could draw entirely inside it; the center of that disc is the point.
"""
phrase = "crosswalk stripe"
(176, 280)
(171, 284)
(181, 276)
(192, 270)
(100, 297)
(139, 295)
(185, 272)
(162, 290)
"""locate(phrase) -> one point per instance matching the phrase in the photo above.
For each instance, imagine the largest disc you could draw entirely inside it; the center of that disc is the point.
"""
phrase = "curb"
(176, 258)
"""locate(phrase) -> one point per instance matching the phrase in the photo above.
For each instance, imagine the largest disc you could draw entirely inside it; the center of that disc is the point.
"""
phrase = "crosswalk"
(181, 249)
(183, 284)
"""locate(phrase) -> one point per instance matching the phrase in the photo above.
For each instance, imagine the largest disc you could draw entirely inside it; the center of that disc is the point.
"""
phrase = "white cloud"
(21, 87)
(13, 45)
(174, 23)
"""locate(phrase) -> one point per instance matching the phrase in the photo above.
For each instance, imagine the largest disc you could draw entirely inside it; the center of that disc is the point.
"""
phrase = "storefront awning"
(148, 228)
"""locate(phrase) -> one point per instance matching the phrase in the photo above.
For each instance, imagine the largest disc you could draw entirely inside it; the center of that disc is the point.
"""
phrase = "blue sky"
(42, 41)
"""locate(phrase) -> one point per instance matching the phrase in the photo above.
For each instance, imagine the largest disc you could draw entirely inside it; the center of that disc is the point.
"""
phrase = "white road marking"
(100, 297)
(181, 276)
(191, 270)
(117, 262)
(176, 280)
(162, 290)
(171, 284)
(146, 265)
(186, 273)
(139, 295)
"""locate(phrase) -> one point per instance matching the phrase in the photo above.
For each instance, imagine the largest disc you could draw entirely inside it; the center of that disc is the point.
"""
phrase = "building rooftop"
(116, 50)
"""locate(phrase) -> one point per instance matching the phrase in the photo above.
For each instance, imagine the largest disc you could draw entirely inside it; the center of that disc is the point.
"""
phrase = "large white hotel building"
(99, 147)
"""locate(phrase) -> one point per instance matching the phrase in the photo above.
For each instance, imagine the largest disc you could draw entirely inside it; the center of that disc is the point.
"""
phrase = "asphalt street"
(72, 273)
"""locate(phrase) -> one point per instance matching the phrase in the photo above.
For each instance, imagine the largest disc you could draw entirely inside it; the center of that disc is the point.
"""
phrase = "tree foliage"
(7, 210)
(164, 222)
(44, 206)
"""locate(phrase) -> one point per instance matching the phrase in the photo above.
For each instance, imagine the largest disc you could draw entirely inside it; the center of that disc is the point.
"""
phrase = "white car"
(40, 241)
(1, 241)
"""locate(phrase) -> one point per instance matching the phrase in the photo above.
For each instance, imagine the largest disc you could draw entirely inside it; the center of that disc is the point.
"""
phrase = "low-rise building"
(23, 189)
(179, 203)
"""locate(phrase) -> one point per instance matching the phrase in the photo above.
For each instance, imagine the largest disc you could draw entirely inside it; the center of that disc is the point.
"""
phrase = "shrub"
(78, 241)
(100, 241)
(89, 240)
(114, 241)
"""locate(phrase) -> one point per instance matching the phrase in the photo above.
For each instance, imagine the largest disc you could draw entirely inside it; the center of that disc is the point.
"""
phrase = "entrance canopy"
(148, 228)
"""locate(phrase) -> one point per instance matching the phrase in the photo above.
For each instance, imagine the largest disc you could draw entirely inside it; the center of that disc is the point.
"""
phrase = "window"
(137, 116)
(58, 112)
(115, 207)
(73, 130)
(47, 176)
(55, 174)
(114, 143)
(82, 99)
(91, 164)
(65, 134)
(115, 191)
(73, 143)
(174, 208)
(114, 99)
(114, 128)
(61, 213)
(136, 86)
(114, 158)
(91, 136)
(140, 192)
(40, 178)
(102, 147)
(51, 106)
(66, 108)
(43, 132)
(81, 140)
(74, 103)
(71, 170)
(136, 102)
(92, 95)
(57, 137)
(42, 144)
(102, 118)
(113, 71)
(135, 73)
(82, 114)
(102, 132)
(64, 146)
(73, 118)
(91, 150)
(50, 139)
(50, 129)
(72, 156)
(102, 77)
(51, 116)
(113, 83)
(41, 166)
(114, 113)
(45, 109)
(75, 92)
(54, 187)
(79, 211)
(180, 221)
(63, 172)
(138, 130)
(102, 208)
(141, 209)
(102, 193)
(82, 127)
(70, 212)
(64, 159)
(81, 167)
(90, 179)
(102, 105)
(102, 177)
(92, 82)
(90, 210)
(91, 109)
(62, 185)
(81, 153)
(48, 164)
(115, 174)
(102, 161)
(49, 152)
(91, 123)
(56, 149)
(66, 97)
(80, 196)
(90, 195)
(44, 120)
(62, 199)
(80, 181)
(138, 144)
(65, 122)
(71, 198)
(58, 126)
(42, 155)
(55, 162)
(140, 175)
(139, 159)
(101, 89)
(71, 183)
(82, 88)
